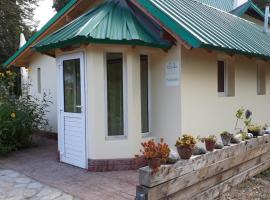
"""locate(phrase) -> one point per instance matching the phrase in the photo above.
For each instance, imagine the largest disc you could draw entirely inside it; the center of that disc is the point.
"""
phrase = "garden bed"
(206, 176)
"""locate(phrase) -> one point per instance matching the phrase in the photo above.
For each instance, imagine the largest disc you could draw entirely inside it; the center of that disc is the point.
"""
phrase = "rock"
(261, 133)
(267, 130)
(199, 151)
(219, 146)
(249, 136)
(236, 139)
(173, 157)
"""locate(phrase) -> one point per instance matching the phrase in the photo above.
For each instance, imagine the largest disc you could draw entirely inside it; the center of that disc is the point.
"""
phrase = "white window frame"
(149, 133)
(125, 110)
(225, 93)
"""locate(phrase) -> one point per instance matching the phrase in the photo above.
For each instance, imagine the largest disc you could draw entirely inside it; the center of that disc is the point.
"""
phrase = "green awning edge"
(169, 23)
(38, 33)
(85, 40)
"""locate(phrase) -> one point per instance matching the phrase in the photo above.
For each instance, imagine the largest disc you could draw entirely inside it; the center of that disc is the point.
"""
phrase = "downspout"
(266, 19)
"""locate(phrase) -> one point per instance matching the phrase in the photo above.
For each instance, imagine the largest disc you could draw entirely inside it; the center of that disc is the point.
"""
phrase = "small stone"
(219, 146)
(34, 185)
(249, 136)
(173, 157)
(199, 151)
(236, 138)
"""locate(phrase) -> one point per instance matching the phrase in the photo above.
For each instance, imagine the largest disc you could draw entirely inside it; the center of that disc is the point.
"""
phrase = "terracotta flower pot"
(185, 152)
(226, 139)
(210, 145)
(154, 163)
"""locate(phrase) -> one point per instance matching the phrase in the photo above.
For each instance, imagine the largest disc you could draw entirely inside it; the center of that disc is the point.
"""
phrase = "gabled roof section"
(40, 32)
(113, 22)
(244, 8)
(201, 26)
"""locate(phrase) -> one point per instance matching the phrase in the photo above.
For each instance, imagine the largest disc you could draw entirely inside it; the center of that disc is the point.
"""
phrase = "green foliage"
(15, 17)
(245, 116)
(59, 4)
(19, 117)
(209, 138)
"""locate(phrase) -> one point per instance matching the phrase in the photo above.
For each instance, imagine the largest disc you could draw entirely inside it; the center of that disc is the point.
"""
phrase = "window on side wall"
(222, 77)
(144, 72)
(261, 81)
(39, 80)
(115, 94)
(225, 79)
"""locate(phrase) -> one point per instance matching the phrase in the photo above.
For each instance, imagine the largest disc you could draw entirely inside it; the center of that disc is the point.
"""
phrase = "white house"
(120, 72)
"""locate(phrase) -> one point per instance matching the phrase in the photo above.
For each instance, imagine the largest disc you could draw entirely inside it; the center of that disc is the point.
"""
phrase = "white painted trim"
(60, 59)
(125, 94)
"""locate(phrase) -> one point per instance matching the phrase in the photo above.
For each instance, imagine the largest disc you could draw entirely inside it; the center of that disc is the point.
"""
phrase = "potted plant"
(155, 153)
(209, 141)
(226, 138)
(254, 129)
(185, 146)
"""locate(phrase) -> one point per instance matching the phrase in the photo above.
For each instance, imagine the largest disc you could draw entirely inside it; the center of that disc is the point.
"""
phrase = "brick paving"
(40, 163)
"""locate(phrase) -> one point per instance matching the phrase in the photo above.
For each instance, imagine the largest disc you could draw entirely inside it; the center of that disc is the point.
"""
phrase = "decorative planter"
(154, 163)
(185, 152)
(226, 139)
(210, 145)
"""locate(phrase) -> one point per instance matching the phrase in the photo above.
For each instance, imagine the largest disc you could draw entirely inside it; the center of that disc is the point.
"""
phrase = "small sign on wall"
(172, 74)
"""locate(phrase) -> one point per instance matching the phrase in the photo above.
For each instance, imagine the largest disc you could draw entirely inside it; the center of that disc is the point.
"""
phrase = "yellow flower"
(13, 115)
(2, 74)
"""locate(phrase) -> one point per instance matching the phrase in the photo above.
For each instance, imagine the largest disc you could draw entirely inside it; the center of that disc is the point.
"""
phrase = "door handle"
(78, 106)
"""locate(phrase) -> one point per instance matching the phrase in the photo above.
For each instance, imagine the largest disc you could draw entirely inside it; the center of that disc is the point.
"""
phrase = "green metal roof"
(42, 30)
(204, 27)
(225, 5)
(113, 22)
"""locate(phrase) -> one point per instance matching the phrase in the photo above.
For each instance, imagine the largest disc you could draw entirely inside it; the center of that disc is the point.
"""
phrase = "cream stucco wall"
(48, 70)
(203, 111)
(164, 105)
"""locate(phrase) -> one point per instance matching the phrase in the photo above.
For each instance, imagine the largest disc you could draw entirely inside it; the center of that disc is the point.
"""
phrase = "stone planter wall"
(206, 176)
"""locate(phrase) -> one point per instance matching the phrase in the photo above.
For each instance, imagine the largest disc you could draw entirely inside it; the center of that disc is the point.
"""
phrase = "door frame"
(60, 98)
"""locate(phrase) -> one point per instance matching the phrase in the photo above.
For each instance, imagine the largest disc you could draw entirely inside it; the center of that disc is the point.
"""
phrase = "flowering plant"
(186, 140)
(20, 116)
(152, 150)
(210, 138)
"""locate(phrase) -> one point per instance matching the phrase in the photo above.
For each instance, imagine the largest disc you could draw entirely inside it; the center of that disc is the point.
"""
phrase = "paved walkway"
(40, 163)
(15, 186)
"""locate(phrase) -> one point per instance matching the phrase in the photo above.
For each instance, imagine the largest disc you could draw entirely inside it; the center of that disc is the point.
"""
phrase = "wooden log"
(169, 172)
(228, 184)
(204, 185)
(172, 186)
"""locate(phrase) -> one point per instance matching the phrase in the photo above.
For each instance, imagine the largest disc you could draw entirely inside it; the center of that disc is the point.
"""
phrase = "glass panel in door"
(72, 86)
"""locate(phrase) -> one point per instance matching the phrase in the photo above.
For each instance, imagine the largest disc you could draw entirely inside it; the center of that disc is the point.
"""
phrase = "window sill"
(146, 135)
(116, 137)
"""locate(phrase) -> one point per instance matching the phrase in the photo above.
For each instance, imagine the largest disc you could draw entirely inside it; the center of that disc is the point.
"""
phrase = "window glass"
(221, 76)
(261, 81)
(38, 80)
(115, 94)
(144, 94)
(72, 86)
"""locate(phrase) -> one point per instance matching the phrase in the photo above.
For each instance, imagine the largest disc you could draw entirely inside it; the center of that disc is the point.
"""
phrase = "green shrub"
(20, 116)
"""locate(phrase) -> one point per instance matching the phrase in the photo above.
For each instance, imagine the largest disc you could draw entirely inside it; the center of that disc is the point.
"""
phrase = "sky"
(44, 12)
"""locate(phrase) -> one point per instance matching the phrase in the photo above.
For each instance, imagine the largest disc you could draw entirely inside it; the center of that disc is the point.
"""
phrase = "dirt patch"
(256, 188)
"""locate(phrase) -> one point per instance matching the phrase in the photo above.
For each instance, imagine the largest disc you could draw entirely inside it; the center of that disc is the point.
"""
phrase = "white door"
(72, 110)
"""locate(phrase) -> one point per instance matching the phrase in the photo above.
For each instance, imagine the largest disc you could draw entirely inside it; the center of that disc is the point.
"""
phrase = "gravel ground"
(256, 188)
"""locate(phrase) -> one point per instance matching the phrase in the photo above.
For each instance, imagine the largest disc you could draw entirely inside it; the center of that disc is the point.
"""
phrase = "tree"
(59, 4)
(16, 16)
(261, 3)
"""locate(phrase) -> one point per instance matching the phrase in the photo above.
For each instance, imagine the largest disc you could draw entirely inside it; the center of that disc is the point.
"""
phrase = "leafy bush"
(20, 116)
